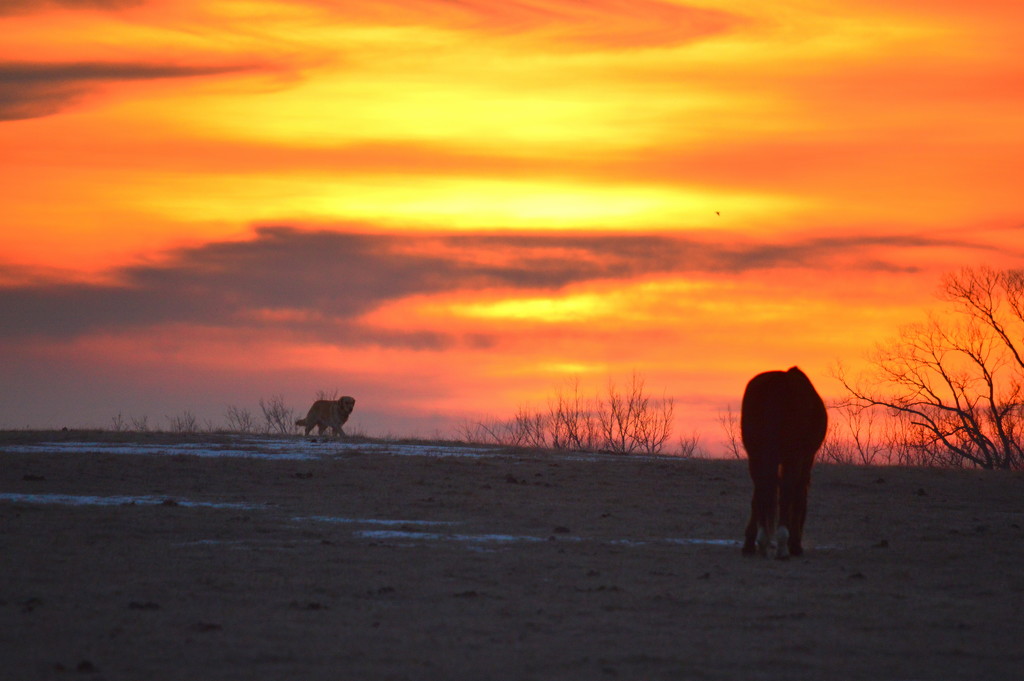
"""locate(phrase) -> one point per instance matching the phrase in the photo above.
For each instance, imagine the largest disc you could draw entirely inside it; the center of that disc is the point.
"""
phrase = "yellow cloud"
(575, 308)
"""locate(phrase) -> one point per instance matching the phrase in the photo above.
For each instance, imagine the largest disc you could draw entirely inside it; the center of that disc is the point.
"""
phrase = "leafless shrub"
(571, 420)
(135, 424)
(184, 423)
(491, 432)
(278, 419)
(240, 420)
(836, 448)
(531, 429)
(617, 413)
(632, 421)
(855, 436)
(690, 447)
(471, 431)
(525, 430)
(730, 422)
(622, 422)
(654, 423)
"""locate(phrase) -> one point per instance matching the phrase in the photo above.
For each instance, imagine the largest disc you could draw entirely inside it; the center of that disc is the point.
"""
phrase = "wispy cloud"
(33, 90)
(564, 24)
(317, 284)
(25, 6)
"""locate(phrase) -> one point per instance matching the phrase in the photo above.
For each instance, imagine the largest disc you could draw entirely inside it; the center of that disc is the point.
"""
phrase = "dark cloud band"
(28, 6)
(317, 284)
(34, 90)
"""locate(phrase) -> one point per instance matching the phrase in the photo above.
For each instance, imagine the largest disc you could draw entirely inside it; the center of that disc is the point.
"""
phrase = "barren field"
(161, 558)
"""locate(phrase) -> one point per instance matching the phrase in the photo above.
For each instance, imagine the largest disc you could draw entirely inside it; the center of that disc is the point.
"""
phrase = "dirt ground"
(513, 566)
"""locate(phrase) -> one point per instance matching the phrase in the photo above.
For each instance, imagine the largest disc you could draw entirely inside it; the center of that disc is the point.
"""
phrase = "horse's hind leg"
(799, 514)
(792, 510)
(762, 517)
(783, 534)
(750, 537)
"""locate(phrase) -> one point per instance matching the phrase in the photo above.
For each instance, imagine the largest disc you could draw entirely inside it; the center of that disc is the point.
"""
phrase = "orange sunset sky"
(447, 209)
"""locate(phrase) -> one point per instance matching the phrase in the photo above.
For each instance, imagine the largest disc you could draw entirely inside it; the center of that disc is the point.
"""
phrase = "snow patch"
(373, 521)
(278, 450)
(434, 536)
(116, 500)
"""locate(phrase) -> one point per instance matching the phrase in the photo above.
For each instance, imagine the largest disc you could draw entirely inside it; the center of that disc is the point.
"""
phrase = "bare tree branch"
(955, 381)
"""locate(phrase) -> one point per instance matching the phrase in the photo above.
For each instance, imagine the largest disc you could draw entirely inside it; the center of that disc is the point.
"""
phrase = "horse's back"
(782, 416)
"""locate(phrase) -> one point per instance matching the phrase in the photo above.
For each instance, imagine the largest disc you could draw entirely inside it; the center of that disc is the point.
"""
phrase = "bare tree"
(956, 380)
(492, 432)
(240, 420)
(730, 422)
(855, 435)
(690, 447)
(278, 418)
(835, 448)
(527, 429)
(632, 421)
(571, 420)
(654, 425)
(531, 428)
(617, 414)
(622, 422)
(184, 423)
(472, 431)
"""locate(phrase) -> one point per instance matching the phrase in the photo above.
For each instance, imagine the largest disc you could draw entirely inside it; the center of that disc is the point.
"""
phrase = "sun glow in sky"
(449, 209)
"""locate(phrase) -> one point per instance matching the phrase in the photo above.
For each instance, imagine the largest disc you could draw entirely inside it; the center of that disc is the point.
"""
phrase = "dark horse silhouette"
(783, 422)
